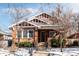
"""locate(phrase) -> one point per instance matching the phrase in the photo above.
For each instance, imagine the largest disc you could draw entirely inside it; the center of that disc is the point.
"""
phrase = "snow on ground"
(66, 52)
(22, 52)
(52, 52)
(5, 52)
(19, 52)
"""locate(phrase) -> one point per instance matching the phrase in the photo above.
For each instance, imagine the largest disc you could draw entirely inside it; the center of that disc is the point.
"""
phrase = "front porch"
(35, 36)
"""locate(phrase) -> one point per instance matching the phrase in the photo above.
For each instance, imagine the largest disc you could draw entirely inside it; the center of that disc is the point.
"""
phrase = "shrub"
(54, 43)
(27, 44)
(24, 44)
(75, 43)
(62, 42)
(69, 45)
(20, 44)
(57, 43)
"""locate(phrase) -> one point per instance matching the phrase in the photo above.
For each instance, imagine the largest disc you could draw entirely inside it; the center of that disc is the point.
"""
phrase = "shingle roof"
(47, 21)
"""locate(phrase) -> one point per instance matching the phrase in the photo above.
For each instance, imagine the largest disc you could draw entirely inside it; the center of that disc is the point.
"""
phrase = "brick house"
(38, 28)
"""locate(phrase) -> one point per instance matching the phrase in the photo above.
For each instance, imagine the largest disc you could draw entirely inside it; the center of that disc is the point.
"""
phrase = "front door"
(42, 36)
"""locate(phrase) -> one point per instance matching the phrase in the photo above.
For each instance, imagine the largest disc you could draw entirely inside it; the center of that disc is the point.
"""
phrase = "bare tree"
(65, 19)
(17, 14)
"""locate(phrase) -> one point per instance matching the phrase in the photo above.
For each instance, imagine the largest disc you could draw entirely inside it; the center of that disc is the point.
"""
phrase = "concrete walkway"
(40, 53)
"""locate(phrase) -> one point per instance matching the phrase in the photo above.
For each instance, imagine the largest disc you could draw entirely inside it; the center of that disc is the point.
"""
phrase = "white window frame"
(28, 34)
(18, 34)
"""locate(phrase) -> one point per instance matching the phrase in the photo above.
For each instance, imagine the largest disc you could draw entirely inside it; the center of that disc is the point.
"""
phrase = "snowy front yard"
(66, 52)
(52, 52)
(19, 52)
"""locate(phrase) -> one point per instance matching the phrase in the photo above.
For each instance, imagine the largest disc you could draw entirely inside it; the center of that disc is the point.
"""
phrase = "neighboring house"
(8, 39)
(4, 37)
(36, 29)
(73, 33)
(8, 36)
(1, 35)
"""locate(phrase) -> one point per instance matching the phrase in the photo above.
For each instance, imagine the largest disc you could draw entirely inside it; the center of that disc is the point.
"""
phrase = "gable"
(46, 19)
(25, 24)
(44, 15)
(41, 19)
(38, 21)
(22, 24)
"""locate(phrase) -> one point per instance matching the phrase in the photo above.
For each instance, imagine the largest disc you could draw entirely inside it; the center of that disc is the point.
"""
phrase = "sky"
(5, 18)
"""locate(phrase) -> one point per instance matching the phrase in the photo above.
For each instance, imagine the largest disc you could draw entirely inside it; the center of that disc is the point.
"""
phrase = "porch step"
(41, 46)
(40, 53)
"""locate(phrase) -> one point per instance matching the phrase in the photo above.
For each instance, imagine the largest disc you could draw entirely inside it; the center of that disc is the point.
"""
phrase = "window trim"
(18, 33)
(28, 34)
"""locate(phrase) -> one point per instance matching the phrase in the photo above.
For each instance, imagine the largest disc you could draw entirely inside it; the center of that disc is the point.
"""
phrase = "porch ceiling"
(19, 27)
(55, 27)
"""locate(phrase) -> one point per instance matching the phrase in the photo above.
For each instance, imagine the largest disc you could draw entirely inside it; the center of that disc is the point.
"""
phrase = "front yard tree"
(17, 13)
(65, 19)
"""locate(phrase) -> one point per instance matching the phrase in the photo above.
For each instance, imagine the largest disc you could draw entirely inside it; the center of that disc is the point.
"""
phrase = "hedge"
(24, 44)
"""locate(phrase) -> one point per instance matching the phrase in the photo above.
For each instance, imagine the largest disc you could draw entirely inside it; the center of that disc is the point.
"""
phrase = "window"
(51, 33)
(31, 33)
(25, 33)
(28, 33)
(19, 34)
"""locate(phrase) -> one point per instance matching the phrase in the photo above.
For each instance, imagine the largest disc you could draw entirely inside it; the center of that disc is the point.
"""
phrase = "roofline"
(32, 23)
(73, 34)
(38, 19)
(49, 25)
(23, 21)
(42, 13)
(29, 19)
(32, 17)
(16, 23)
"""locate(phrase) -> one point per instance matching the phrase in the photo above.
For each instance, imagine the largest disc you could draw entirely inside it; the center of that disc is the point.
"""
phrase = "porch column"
(13, 47)
(27, 33)
(36, 37)
(14, 34)
(49, 42)
(22, 33)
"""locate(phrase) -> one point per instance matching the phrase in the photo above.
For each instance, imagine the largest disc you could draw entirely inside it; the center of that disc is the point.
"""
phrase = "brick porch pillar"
(36, 37)
(13, 39)
(49, 42)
